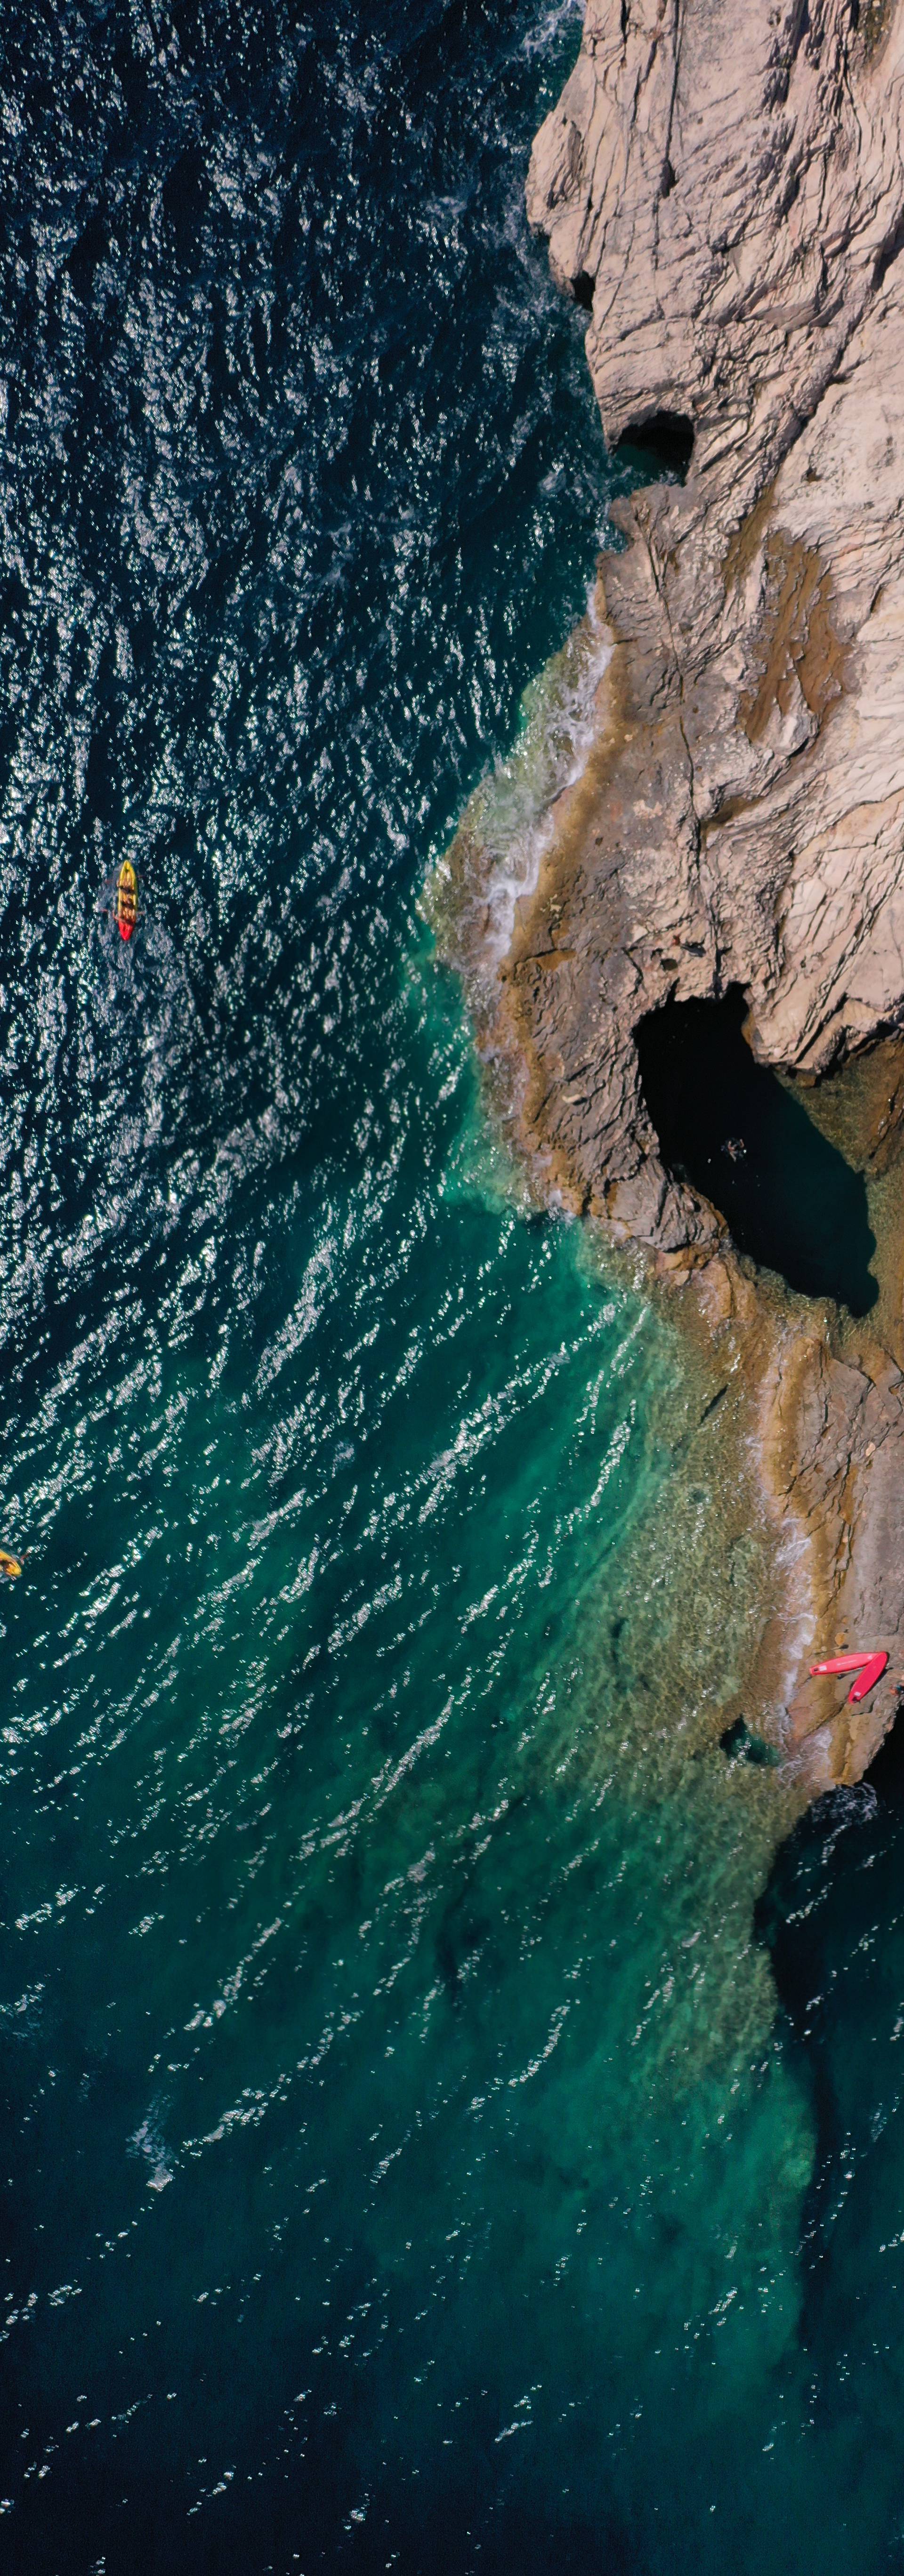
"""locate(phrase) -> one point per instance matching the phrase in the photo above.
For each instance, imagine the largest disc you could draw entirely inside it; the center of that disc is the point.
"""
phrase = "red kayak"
(869, 1667)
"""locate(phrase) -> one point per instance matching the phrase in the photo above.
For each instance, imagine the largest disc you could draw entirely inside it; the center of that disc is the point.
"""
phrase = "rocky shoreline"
(723, 191)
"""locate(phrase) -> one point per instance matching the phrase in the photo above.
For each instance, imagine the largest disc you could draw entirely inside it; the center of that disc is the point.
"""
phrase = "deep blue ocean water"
(443, 2130)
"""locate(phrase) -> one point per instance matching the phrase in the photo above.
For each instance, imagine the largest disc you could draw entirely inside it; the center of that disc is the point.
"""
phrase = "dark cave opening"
(744, 1139)
(582, 290)
(665, 436)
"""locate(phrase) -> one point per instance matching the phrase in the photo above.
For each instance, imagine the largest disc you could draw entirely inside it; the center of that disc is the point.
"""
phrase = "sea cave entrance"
(745, 1140)
(663, 438)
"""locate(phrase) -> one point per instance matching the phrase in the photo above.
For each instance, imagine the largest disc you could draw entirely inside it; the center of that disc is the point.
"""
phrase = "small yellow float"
(9, 1564)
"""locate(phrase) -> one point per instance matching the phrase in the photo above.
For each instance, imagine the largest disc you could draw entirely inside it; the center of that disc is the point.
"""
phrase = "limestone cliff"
(722, 187)
(728, 185)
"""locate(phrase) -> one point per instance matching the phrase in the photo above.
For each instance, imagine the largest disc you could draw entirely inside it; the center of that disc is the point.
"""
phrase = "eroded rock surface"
(723, 186)
(730, 183)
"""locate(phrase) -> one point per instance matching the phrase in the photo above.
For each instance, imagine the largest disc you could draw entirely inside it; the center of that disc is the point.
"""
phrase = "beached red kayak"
(869, 1667)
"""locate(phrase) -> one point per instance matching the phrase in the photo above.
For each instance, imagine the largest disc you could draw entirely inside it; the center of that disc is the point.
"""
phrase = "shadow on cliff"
(830, 1917)
(744, 1140)
(660, 446)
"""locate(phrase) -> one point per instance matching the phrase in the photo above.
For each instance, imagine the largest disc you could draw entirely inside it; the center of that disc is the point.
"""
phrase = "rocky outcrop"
(727, 185)
(723, 188)
(835, 1448)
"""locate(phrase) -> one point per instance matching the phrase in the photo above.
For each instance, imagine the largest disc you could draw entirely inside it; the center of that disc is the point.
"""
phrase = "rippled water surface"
(406, 2161)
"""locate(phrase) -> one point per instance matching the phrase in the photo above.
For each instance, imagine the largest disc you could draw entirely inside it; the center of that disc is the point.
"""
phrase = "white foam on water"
(510, 819)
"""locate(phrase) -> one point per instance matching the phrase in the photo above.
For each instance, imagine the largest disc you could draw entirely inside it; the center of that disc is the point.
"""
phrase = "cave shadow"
(664, 438)
(744, 1140)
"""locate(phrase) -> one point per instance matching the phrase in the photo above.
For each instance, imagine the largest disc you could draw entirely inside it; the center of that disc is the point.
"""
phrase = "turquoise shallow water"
(411, 2159)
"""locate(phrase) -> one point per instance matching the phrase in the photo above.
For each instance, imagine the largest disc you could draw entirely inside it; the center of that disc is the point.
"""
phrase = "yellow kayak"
(126, 900)
(9, 1564)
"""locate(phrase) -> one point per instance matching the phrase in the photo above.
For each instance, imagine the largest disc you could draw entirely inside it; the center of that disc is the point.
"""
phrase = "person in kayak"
(126, 900)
